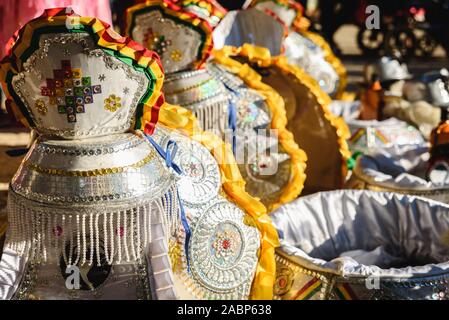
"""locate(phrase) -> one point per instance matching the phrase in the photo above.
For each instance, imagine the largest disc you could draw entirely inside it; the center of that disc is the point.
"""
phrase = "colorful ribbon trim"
(214, 8)
(181, 119)
(128, 51)
(279, 118)
(173, 11)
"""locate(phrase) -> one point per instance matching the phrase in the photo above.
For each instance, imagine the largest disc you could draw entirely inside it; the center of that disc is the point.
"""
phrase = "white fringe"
(43, 232)
(213, 116)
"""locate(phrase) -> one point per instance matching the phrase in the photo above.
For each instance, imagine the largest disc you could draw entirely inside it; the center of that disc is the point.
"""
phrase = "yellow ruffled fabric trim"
(279, 122)
(184, 121)
(262, 57)
(331, 58)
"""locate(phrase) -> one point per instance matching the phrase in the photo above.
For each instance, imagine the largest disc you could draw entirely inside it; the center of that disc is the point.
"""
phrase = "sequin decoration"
(284, 281)
(176, 55)
(247, 111)
(69, 90)
(223, 250)
(155, 42)
(226, 244)
(41, 107)
(112, 103)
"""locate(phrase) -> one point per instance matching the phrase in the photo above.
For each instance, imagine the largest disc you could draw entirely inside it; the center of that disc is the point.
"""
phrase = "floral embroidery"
(41, 107)
(155, 42)
(226, 243)
(112, 103)
(176, 55)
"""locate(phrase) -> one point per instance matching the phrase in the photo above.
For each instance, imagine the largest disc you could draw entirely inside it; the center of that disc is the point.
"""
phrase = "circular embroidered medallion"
(223, 249)
(252, 111)
(201, 180)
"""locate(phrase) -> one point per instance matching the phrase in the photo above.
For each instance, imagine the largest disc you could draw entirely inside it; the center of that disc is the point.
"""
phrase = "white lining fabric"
(358, 233)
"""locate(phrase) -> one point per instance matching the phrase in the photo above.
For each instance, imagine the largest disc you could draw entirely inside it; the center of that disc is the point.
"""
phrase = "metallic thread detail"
(112, 103)
(176, 55)
(90, 173)
(196, 85)
(41, 107)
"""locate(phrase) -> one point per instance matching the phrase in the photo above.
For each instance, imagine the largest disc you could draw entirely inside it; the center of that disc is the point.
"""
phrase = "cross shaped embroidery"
(69, 90)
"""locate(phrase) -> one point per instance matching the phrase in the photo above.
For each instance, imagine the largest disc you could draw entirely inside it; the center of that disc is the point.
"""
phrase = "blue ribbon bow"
(168, 155)
(232, 117)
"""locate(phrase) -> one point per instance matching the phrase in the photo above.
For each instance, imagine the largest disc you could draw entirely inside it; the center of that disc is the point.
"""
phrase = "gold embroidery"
(112, 103)
(41, 107)
(176, 55)
(89, 173)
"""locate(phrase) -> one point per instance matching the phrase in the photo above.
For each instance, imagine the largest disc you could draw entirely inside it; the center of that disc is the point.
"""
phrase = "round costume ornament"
(303, 48)
(362, 245)
(89, 194)
(200, 190)
(317, 131)
(223, 101)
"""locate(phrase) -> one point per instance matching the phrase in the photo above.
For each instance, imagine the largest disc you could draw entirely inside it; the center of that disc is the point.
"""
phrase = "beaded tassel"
(82, 238)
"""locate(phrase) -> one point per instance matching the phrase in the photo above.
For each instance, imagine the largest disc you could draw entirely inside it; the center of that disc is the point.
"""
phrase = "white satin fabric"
(403, 167)
(357, 233)
(249, 26)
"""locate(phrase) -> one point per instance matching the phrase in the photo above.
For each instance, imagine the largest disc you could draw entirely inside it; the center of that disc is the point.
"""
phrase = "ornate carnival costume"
(88, 193)
(316, 130)
(222, 101)
(306, 49)
(100, 197)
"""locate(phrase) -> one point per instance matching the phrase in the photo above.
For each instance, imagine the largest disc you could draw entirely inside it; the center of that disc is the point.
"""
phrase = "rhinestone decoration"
(201, 180)
(112, 103)
(41, 107)
(284, 280)
(156, 42)
(226, 244)
(223, 249)
(69, 90)
(176, 55)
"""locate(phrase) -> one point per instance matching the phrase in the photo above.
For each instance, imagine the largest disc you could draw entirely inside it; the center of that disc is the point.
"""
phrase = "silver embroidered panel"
(203, 94)
(303, 53)
(252, 110)
(120, 153)
(223, 251)
(201, 180)
(177, 45)
(70, 89)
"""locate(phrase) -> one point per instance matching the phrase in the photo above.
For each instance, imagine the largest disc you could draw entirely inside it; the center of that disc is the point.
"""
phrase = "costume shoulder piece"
(181, 39)
(300, 93)
(244, 26)
(95, 202)
(305, 48)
